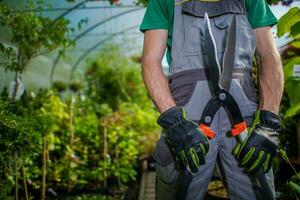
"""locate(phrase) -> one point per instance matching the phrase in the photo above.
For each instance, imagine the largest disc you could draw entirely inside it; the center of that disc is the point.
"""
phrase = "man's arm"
(260, 147)
(270, 73)
(187, 142)
(155, 42)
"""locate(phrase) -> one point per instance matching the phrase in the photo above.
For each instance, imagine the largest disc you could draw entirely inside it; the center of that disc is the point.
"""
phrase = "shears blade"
(229, 56)
(211, 58)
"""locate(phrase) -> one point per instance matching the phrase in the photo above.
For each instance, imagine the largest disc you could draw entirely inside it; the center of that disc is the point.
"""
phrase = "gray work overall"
(189, 85)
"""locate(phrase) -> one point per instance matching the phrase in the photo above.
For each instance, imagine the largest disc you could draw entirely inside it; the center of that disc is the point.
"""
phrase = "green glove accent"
(261, 146)
(255, 121)
(186, 141)
(261, 154)
(248, 156)
(267, 162)
(237, 148)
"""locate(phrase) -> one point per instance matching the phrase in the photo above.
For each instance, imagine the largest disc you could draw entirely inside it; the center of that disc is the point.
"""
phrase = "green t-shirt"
(159, 15)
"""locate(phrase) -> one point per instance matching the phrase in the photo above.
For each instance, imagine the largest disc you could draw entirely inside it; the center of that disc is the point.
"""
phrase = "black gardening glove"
(261, 146)
(186, 141)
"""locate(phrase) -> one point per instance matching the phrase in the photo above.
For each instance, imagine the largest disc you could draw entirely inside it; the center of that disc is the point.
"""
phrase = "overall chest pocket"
(194, 34)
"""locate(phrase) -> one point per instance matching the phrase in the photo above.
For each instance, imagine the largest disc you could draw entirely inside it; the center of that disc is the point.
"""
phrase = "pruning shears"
(220, 85)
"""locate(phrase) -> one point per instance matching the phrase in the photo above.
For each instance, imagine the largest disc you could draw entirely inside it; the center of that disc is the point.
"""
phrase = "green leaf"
(292, 88)
(295, 187)
(287, 21)
(31, 33)
(295, 29)
(2, 47)
(296, 44)
(289, 66)
(292, 111)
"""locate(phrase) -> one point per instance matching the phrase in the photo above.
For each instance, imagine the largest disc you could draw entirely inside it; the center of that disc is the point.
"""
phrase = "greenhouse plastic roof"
(107, 24)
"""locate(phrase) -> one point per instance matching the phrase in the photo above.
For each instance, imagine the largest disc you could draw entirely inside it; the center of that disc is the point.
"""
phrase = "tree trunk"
(43, 184)
(17, 176)
(16, 86)
(118, 165)
(105, 153)
(25, 181)
(72, 122)
(298, 138)
(72, 135)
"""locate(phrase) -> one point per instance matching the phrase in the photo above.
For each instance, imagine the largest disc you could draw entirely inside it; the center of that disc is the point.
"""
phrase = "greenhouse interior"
(76, 119)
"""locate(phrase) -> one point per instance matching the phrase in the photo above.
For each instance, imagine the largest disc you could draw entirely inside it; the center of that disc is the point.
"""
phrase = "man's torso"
(160, 15)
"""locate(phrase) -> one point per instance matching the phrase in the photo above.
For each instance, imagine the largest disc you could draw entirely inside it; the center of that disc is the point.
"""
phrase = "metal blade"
(229, 56)
(211, 58)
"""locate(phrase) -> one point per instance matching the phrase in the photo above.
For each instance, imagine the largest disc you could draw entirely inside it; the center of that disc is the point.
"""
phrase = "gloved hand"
(261, 146)
(186, 141)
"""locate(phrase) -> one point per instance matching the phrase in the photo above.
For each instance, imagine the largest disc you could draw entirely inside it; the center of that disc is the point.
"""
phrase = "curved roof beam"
(87, 31)
(78, 8)
(67, 10)
(96, 46)
(71, 9)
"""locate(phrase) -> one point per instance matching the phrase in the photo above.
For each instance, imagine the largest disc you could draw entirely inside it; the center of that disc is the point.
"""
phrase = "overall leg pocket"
(165, 168)
(168, 179)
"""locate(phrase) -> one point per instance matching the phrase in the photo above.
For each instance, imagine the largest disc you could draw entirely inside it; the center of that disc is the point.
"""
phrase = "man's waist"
(203, 74)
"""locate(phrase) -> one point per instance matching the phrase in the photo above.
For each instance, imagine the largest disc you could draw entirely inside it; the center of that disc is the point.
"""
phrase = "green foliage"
(94, 197)
(18, 131)
(289, 23)
(114, 82)
(19, 136)
(292, 87)
(290, 105)
(93, 133)
(272, 1)
(142, 2)
(292, 111)
(71, 162)
(145, 2)
(127, 130)
(113, 79)
(29, 34)
(5, 188)
(52, 109)
(289, 67)
(112, 2)
(295, 187)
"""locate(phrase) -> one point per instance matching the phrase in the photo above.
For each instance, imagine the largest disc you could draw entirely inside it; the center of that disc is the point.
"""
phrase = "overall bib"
(189, 85)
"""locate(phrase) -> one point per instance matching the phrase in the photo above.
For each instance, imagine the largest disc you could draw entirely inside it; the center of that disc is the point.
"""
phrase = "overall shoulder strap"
(213, 8)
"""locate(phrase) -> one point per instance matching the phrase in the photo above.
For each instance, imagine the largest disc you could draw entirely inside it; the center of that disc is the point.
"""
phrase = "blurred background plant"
(86, 138)
(290, 109)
